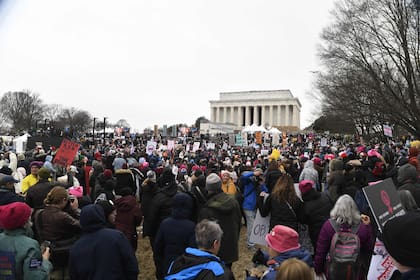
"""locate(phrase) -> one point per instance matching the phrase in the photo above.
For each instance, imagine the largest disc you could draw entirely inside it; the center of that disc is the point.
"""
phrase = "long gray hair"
(345, 211)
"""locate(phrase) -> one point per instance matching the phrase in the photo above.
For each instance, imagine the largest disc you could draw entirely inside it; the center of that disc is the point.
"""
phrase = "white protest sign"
(225, 146)
(196, 146)
(323, 142)
(211, 146)
(381, 265)
(150, 147)
(260, 229)
(171, 144)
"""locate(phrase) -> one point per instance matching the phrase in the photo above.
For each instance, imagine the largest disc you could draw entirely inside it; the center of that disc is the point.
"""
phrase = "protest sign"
(381, 265)
(66, 153)
(150, 147)
(258, 137)
(260, 228)
(384, 201)
(387, 130)
(196, 146)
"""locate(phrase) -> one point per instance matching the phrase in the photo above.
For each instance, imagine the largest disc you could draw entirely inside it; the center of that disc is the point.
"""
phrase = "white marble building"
(269, 108)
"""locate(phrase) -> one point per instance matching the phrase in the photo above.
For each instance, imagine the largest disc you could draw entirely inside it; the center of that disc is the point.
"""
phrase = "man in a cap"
(225, 210)
(402, 241)
(37, 193)
(7, 191)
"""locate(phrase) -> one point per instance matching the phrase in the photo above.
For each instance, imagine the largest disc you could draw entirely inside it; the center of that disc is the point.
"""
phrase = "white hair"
(345, 211)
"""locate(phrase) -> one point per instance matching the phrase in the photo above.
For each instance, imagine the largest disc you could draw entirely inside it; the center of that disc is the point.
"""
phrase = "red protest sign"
(66, 153)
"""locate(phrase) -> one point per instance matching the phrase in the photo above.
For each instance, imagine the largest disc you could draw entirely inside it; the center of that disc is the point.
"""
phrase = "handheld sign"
(384, 202)
(260, 228)
(66, 153)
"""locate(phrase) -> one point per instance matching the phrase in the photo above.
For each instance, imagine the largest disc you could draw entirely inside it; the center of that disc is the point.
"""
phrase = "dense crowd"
(83, 221)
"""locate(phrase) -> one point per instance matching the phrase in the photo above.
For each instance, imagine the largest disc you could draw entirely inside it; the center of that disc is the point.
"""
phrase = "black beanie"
(402, 239)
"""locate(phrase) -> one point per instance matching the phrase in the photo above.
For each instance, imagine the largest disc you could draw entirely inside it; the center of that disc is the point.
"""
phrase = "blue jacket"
(270, 273)
(101, 253)
(250, 190)
(194, 263)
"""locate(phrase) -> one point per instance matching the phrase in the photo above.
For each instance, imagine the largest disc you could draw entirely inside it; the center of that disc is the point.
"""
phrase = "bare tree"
(22, 109)
(78, 121)
(371, 56)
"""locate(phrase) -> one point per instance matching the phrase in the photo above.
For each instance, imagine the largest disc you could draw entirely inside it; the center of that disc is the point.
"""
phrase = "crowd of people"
(83, 221)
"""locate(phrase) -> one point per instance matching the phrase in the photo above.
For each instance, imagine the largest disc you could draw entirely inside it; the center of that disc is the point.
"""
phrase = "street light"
(93, 132)
(104, 128)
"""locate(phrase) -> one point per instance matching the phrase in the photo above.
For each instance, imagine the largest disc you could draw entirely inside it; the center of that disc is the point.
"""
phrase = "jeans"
(250, 217)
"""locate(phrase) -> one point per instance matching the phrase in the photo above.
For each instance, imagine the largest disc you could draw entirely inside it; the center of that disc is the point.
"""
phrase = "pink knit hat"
(77, 191)
(14, 215)
(306, 185)
(282, 239)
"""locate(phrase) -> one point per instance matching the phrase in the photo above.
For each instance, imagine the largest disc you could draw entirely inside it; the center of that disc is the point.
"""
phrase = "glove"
(258, 257)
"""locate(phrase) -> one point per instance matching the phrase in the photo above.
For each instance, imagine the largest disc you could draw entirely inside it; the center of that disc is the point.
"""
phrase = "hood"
(407, 174)
(92, 218)
(182, 206)
(309, 164)
(300, 254)
(125, 203)
(221, 202)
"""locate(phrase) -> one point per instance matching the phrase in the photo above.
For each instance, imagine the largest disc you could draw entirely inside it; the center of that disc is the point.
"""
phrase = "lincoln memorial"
(268, 108)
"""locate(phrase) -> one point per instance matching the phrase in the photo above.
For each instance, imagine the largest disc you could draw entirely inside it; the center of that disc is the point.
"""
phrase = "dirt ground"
(147, 268)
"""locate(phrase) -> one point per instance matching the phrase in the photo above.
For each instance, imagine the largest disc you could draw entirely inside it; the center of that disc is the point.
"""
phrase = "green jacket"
(25, 251)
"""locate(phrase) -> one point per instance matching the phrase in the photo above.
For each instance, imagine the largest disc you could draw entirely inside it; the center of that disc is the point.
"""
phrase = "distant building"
(277, 108)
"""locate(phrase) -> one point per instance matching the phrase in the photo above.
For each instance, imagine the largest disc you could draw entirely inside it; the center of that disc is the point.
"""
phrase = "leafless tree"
(372, 66)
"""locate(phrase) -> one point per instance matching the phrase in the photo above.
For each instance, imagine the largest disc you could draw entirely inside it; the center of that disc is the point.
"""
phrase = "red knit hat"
(283, 239)
(14, 215)
(306, 185)
(108, 173)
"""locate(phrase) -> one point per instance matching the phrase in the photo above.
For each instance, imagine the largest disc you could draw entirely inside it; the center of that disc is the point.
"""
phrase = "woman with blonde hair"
(294, 269)
(345, 217)
(283, 204)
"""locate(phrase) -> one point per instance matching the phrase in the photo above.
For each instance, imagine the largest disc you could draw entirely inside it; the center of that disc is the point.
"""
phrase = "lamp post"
(93, 132)
(104, 128)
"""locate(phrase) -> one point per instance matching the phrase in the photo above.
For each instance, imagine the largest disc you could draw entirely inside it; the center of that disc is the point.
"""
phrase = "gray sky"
(158, 62)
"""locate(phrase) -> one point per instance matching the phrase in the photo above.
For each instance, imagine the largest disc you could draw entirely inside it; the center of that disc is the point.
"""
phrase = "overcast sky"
(158, 62)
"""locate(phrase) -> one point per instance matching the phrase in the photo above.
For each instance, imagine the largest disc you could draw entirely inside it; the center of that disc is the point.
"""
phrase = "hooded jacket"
(226, 211)
(175, 232)
(101, 253)
(129, 217)
(407, 180)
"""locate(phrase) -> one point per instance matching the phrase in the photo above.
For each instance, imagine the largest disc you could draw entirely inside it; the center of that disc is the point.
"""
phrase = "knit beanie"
(107, 173)
(402, 239)
(213, 183)
(14, 215)
(305, 186)
(283, 239)
(44, 173)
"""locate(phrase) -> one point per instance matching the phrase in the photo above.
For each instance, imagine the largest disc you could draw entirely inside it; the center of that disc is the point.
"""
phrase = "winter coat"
(56, 224)
(38, 192)
(413, 274)
(198, 264)
(280, 212)
(249, 190)
(161, 207)
(128, 218)
(229, 187)
(273, 264)
(407, 180)
(8, 196)
(335, 182)
(309, 173)
(26, 253)
(226, 211)
(124, 180)
(176, 233)
(147, 192)
(101, 253)
(316, 210)
(367, 241)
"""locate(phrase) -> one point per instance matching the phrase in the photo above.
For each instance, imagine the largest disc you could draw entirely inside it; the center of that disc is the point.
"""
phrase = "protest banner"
(66, 153)
(150, 147)
(384, 201)
(381, 265)
(238, 139)
(260, 228)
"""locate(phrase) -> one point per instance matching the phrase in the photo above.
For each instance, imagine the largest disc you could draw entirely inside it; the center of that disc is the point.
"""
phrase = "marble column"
(287, 119)
(247, 115)
(263, 115)
(255, 116)
(270, 116)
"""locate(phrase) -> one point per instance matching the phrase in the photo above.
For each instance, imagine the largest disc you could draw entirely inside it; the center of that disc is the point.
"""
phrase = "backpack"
(344, 255)
(378, 169)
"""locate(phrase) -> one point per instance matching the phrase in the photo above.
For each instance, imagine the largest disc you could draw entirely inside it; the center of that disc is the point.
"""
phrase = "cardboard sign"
(196, 146)
(384, 202)
(66, 153)
(260, 228)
